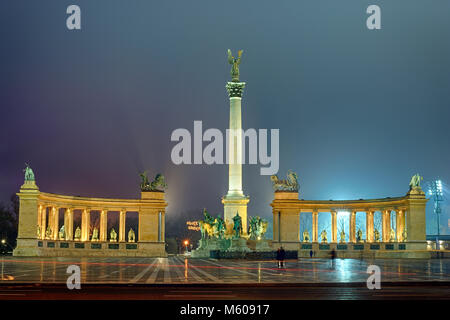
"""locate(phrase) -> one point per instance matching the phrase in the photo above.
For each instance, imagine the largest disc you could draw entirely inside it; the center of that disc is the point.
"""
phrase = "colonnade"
(51, 220)
(409, 213)
(39, 212)
(370, 216)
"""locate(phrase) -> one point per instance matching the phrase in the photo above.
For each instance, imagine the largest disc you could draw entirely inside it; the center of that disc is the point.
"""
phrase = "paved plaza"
(181, 270)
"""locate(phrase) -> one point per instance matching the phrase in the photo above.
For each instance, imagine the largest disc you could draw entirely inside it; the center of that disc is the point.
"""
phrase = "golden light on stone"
(151, 209)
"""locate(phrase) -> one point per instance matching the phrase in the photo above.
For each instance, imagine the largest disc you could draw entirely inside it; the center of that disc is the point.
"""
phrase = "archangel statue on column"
(235, 65)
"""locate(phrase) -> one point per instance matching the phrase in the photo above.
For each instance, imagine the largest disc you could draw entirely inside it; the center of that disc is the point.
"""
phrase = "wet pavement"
(181, 270)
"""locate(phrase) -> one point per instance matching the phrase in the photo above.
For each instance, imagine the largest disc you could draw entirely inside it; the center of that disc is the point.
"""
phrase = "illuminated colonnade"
(409, 213)
(40, 211)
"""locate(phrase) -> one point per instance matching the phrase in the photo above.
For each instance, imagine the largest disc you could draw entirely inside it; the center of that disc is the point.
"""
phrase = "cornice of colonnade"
(287, 200)
(98, 204)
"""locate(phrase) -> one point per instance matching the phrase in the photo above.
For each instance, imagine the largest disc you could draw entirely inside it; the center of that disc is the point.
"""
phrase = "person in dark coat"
(281, 254)
(311, 254)
(333, 256)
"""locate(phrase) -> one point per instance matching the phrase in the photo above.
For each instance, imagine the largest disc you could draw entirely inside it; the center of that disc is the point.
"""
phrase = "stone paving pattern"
(178, 269)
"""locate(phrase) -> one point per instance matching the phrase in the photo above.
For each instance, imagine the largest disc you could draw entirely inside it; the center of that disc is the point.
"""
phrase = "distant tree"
(177, 228)
(9, 220)
(341, 227)
(377, 223)
(305, 223)
(360, 225)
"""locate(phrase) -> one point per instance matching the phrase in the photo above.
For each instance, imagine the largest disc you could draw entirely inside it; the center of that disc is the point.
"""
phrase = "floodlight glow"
(345, 213)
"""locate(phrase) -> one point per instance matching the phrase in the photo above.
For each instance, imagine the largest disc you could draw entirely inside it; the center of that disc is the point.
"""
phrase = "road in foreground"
(336, 291)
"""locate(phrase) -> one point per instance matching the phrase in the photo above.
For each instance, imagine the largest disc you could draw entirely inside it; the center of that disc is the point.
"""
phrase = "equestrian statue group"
(215, 228)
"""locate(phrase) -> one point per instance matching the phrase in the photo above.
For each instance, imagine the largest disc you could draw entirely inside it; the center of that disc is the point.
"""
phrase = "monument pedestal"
(205, 246)
(233, 205)
(263, 245)
(28, 222)
(238, 245)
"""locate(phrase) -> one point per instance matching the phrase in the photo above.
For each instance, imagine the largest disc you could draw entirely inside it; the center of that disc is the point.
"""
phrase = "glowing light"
(3, 241)
(186, 242)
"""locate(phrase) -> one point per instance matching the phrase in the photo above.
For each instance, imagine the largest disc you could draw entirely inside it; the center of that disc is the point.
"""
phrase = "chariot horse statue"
(415, 182)
(289, 184)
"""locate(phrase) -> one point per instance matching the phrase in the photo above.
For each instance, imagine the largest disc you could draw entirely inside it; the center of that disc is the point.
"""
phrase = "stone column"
(85, 224)
(276, 226)
(315, 226)
(39, 218)
(51, 221)
(103, 225)
(235, 201)
(386, 225)
(55, 219)
(163, 226)
(122, 220)
(334, 226)
(68, 223)
(400, 224)
(352, 226)
(369, 225)
(44, 221)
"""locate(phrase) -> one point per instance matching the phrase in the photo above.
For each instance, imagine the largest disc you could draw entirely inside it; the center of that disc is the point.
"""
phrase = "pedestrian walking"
(280, 257)
(333, 256)
(311, 253)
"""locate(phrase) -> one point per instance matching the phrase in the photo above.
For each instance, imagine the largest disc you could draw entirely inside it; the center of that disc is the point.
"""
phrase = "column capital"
(235, 89)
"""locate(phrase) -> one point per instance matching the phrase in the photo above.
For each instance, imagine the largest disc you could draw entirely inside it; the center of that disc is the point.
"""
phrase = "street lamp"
(435, 191)
(186, 243)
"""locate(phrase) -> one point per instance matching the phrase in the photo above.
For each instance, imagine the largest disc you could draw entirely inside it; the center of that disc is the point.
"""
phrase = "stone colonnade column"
(400, 223)
(333, 226)
(276, 226)
(85, 224)
(68, 223)
(315, 226)
(103, 224)
(39, 219)
(122, 219)
(352, 225)
(369, 225)
(386, 225)
(43, 221)
(163, 226)
(55, 222)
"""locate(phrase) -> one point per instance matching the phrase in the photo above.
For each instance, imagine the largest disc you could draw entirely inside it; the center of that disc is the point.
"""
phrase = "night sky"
(359, 111)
